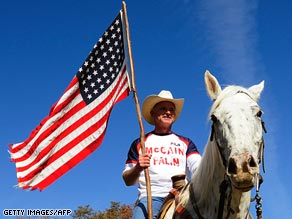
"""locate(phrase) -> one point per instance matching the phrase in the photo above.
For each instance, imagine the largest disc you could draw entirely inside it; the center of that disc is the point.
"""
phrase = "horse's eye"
(214, 118)
(259, 113)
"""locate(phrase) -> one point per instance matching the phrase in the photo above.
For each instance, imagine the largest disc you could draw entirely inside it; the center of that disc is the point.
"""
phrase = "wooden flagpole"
(142, 132)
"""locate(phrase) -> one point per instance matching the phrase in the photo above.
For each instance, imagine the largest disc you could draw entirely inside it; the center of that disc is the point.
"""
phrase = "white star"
(92, 84)
(86, 90)
(89, 96)
(101, 86)
(104, 75)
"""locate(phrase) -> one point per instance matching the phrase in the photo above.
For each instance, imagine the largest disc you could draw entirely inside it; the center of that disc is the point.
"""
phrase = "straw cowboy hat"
(152, 100)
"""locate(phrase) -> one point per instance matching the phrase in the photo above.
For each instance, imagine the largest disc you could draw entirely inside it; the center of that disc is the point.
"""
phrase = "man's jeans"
(140, 209)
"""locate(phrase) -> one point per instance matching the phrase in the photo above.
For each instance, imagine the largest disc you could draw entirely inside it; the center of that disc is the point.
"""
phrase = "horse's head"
(237, 130)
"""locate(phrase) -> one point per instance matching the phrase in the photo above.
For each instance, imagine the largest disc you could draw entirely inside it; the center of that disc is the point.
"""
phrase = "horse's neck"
(206, 184)
(206, 181)
(236, 204)
(209, 175)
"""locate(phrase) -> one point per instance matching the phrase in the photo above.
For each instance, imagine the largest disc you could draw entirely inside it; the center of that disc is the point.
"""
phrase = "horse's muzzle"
(242, 169)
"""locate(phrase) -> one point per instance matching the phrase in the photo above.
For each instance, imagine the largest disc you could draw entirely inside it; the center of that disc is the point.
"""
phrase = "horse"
(221, 185)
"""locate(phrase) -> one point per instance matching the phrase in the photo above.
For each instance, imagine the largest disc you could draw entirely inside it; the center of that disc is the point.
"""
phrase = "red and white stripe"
(71, 132)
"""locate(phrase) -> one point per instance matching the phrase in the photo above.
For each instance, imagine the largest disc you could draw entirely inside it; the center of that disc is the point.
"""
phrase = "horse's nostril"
(252, 162)
(232, 168)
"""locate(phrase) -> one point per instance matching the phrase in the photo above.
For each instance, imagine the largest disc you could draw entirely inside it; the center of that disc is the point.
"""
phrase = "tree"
(36, 217)
(116, 211)
(84, 212)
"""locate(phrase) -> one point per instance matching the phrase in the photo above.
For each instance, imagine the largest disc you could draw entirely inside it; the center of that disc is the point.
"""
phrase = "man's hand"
(131, 176)
(144, 160)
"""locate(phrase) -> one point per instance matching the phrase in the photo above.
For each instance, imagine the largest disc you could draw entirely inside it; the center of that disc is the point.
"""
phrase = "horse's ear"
(256, 90)
(212, 85)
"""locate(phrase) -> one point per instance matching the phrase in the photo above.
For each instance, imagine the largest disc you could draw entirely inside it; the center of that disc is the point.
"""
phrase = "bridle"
(226, 182)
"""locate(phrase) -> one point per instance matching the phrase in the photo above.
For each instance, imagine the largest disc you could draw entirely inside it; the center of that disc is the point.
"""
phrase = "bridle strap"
(218, 147)
(262, 147)
(225, 183)
(223, 187)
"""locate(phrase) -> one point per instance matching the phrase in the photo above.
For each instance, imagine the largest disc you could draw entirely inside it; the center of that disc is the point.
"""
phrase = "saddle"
(178, 183)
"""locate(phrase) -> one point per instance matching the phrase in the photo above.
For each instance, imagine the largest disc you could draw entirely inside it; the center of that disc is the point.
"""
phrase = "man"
(167, 153)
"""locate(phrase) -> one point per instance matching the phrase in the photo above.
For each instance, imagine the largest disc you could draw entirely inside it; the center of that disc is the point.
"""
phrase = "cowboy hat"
(152, 100)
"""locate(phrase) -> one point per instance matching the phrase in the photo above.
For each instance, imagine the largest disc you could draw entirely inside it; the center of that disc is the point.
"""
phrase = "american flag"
(76, 124)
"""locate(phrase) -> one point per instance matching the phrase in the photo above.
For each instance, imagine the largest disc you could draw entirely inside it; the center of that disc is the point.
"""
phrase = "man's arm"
(131, 176)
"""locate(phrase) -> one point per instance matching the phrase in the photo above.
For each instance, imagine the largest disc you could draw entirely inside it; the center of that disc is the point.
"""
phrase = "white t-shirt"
(172, 154)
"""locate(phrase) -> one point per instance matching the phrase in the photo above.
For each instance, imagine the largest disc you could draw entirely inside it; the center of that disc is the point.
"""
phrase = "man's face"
(163, 113)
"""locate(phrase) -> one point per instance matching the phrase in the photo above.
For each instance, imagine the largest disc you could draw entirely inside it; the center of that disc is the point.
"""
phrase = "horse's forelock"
(228, 92)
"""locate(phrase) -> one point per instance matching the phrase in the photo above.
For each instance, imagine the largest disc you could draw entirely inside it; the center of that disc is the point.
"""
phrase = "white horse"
(221, 186)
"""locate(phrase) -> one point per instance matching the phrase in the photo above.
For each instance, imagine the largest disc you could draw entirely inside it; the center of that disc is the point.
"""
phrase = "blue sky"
(43, 44)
